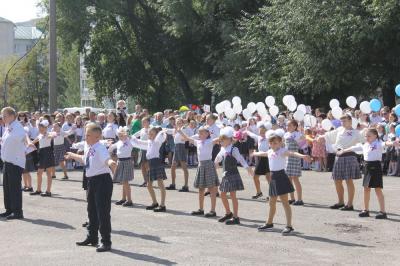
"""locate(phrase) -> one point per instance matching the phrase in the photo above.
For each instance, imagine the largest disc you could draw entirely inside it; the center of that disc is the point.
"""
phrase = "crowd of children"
(279, 149)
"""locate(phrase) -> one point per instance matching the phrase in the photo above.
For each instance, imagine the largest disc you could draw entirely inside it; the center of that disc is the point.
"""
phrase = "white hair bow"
(44, 123)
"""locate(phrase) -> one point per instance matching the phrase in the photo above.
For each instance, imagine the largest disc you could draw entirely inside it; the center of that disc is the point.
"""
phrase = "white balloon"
(280, 132)
(365, 108)
(288, 99)
(236, 100)
(351, 102)
(302, 107)
(227, 104)
(268, 125)
(251, 107)
(354, 123)
(219, 108)
(230, 114)
(310, 121)
(246, 114)
(274, 110)
(313, 121)
(285, 100)
(260, 106)
(292, 106)
(326, 124)
(237, 108)
(298, 115)
(266, 117)
(270, 101)
(337, 112)
(269, 133)
(262, 112)
(334, 103)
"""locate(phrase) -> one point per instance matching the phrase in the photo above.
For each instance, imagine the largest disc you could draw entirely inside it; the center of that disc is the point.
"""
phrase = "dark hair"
(346, 116)
(156, 129)
(294, 123)
(394, 115)
(322, 116)
(374, 132)
(48, 118)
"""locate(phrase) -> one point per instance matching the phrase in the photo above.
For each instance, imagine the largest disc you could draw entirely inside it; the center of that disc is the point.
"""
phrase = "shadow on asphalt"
(68, 198)
(142, 257)
(49, 223)
(141, 236)
(327, 240)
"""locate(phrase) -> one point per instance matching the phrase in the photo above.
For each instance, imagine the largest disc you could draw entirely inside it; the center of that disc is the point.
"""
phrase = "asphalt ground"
(322, 236)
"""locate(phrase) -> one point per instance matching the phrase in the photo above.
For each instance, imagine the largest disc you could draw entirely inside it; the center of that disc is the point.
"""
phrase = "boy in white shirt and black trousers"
(97, 164)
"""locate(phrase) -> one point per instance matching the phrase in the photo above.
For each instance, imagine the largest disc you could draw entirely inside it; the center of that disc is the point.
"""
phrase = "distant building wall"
(6, 38)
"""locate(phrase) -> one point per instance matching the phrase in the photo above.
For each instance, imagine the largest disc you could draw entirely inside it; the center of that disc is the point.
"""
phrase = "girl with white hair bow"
(125, 167)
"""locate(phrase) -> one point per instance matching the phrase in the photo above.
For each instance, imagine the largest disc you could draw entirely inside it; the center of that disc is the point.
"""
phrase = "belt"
(124, 159)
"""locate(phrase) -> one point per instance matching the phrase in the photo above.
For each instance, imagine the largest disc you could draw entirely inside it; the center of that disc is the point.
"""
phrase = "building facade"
(6, 38)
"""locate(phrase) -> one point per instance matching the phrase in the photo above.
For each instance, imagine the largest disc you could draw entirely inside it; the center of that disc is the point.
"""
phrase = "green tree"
(161, 52)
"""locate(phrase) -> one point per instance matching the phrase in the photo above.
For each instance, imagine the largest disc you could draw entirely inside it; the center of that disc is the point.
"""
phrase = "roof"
(5, 20)
(27, 33)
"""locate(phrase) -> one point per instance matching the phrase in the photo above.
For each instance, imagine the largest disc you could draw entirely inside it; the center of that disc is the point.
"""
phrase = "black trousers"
(100, 189)
(12, 176)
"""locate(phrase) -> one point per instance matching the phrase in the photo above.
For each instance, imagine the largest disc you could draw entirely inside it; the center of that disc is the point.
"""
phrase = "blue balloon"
(397, 90)
(375, 105)
(397, 130)
(397, 110)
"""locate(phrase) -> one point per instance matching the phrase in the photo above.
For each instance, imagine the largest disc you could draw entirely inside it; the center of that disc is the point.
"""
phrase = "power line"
(16, 62)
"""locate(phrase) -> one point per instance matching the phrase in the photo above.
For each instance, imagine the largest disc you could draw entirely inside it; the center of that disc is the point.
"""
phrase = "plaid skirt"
(59, 153)
(280, 184)
(180, 153)
(29, 164)
(46, 158)
(346, 167)
(231, 183)
(125, 169)
(157, 169)
(373, 175)
(262, 166)
(206, 175)
(293, 166)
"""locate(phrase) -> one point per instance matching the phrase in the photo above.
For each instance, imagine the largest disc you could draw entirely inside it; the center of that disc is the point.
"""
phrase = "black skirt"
(262, 166)
(280, 184)
(373, 175)
(29, 164)
(46, 158)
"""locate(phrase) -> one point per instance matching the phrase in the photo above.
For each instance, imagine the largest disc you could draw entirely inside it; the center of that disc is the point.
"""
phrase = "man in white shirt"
(13, 156)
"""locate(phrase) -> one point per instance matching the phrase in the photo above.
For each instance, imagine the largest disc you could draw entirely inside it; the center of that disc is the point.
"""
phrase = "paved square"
(322, 236)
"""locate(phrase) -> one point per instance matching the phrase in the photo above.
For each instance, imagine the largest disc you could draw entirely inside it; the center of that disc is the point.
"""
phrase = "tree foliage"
(166, 53)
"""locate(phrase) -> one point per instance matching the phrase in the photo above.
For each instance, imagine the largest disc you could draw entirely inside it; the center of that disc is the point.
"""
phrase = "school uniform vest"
(229, 164)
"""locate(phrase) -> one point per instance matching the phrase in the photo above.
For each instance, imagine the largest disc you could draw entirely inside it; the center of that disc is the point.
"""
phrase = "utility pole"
(53, 59)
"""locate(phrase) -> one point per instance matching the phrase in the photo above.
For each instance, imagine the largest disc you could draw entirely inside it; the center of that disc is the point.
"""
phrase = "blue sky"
(19, 10)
